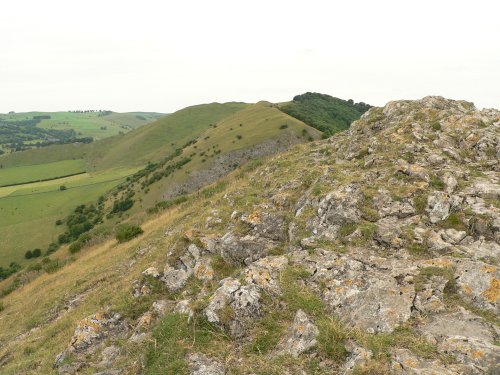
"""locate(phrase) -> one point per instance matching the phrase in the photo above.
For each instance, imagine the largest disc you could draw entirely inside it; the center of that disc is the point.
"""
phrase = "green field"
(28, 212)
(98, 127)
(40, 172)
(21, 131)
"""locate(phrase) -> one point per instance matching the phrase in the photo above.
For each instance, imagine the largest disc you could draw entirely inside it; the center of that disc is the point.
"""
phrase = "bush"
(51, 248)
(75, 247)
(28, 254)
(126, 232)
(59, 222)
(239, 136)
(62, 187)
(284, 126)
(36, 253)
(123, 205)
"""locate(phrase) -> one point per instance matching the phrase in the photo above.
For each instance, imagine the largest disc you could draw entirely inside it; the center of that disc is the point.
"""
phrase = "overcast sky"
(164, 55)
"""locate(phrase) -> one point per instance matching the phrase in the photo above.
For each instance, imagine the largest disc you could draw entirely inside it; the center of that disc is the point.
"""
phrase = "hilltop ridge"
(372, 252)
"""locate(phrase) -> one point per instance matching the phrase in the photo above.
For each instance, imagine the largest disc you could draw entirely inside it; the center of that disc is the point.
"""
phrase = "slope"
(372, 252)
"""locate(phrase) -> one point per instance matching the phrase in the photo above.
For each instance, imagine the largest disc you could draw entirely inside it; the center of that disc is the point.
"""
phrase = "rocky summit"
(375, 251)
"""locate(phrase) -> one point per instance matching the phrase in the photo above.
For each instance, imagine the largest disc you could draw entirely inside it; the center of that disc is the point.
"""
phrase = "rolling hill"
(20, 131)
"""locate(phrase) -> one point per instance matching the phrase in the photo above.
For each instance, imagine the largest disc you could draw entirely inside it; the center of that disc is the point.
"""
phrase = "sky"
(165, 55)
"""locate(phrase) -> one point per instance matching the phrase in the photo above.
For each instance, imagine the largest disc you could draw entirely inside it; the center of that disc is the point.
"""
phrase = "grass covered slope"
(155, 140)
(324, 112)
(257, 130)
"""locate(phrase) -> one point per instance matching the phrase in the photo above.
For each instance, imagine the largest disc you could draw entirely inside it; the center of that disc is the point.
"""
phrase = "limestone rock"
(200, 364)
(265, 272)
(243, 250)
(438, 206)
(175, 279)
(301, 336)
(234, 306)
(479, 284)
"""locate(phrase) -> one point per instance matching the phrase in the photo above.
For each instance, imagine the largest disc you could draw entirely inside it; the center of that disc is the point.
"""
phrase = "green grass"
(90, 124)
(38, 172)
(174, 337)
(28, 212)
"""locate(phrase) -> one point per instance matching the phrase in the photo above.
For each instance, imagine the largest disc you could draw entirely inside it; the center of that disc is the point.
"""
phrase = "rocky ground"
(373, 252)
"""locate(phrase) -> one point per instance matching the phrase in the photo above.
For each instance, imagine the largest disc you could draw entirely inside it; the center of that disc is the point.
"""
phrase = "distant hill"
(21, 131)
(324, 112)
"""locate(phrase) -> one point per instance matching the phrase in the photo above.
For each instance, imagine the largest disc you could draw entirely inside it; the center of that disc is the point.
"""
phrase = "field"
(21, 131)
(28, 212)
(99, 127)
(32, 173)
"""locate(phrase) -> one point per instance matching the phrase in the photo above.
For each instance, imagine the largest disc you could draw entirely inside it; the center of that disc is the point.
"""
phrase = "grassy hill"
(19, 131)
(324, 112)
(100, 166)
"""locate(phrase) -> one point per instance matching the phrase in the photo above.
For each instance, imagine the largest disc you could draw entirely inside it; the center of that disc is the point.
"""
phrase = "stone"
(404, 362)
(265, 272)
(109, 355)
(152, 272)
(479, 284)
(388, 232)
(161, 307)
(244, 250)
(175, 279)
(270, 225)
(358, 357)
(93, 329)
(453, 236)
(438, 207)
(203, 270)
(301, 336)
(234, 307)
(183, 307)
(200, 364)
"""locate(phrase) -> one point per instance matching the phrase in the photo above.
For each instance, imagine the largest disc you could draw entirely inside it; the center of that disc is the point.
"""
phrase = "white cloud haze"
(165, 55)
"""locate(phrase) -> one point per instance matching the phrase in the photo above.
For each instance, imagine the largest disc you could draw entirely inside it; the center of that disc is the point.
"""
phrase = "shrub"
(239, 136)
(75, 247)
(123, 205)
(62, 187)
(436, 126)
(126, 232)
(51, 248)
(59, 222)
(36, 253)
(2, 307)
(284, 126)
(28, 254)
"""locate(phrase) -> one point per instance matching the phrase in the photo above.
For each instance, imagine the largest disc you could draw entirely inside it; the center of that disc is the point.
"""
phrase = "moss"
(436, 183)
(347, 229)
(420, 202)
(454, 221)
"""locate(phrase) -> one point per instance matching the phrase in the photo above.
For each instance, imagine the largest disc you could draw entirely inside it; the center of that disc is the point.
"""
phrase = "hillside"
(21, 131)
(373, 252)
(324, 112)
(87, 171)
